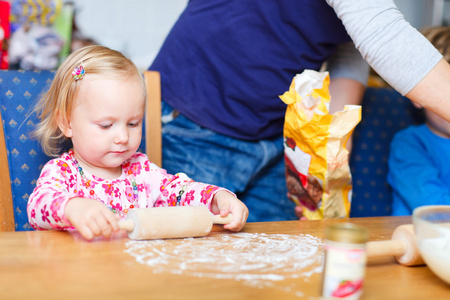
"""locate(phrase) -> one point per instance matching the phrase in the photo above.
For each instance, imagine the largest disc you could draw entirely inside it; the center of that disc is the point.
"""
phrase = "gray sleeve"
(394, 49)
(347, 62)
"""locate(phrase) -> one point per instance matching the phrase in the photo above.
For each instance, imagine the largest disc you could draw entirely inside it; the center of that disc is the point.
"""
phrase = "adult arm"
(397, 51)
(433, 91)
(349, 73)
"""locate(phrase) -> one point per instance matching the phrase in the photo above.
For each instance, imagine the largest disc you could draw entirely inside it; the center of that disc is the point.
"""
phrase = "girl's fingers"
(112, 221)
(106, 223)
(86, 232)
(94, 226)
(238, 223)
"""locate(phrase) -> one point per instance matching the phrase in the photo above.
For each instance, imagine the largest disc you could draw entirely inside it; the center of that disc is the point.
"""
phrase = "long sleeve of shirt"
(61, 181)
(418, 169)
(394, 49)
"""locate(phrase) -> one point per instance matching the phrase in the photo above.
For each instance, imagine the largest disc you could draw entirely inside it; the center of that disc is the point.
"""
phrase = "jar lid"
(347, 233)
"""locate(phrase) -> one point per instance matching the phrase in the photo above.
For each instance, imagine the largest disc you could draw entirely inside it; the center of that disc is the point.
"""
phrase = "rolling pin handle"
(386, 248)
(127, 225)
(217, 219)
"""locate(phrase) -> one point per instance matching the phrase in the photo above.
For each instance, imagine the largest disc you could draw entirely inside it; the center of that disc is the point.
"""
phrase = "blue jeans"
(254, 171)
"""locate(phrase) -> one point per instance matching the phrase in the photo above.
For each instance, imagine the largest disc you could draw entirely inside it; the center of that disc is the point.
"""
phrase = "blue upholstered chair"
(19, 90)
(384, 112)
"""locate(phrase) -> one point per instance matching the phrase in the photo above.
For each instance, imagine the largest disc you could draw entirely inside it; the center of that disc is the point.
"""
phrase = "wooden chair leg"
(6, 202)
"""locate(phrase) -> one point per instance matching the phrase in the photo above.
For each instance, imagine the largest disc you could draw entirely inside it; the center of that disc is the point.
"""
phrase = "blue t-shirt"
(419, 170)
(225, 62)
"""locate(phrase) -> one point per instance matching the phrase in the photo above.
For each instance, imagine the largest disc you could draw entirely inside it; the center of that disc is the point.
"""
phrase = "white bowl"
(432, 229)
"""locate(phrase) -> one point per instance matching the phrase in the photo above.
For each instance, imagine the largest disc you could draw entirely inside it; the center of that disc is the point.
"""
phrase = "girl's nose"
(121, 136)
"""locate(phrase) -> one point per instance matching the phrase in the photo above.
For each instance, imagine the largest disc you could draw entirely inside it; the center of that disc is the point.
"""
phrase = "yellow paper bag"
(317, 171)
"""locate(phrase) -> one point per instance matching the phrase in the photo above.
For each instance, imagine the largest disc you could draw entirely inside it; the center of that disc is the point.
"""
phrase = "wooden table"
(61, 265)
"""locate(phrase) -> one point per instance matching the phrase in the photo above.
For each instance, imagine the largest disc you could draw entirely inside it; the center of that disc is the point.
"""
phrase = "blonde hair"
(58, 102)
(440, 38)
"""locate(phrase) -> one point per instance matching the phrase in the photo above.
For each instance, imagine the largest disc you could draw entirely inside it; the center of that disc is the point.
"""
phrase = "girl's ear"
(63, 125)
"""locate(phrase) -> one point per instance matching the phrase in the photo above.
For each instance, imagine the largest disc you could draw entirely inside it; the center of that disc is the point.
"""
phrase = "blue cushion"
(384, 112)
(19, 91)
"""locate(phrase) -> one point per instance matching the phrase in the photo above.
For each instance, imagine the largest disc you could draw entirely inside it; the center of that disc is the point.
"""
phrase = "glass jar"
(345, 261)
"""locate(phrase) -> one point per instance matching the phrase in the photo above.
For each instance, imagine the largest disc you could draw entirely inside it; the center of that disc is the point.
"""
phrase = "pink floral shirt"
(61, 181)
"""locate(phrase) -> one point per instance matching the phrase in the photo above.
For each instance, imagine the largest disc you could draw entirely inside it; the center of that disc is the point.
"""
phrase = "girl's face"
(106, 123)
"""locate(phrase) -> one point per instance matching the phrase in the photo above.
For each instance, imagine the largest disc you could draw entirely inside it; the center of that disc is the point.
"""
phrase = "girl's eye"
(133, 124)
(105, 126)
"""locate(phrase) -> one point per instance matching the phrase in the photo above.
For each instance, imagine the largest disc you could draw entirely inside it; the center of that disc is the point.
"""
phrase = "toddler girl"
(97, 101)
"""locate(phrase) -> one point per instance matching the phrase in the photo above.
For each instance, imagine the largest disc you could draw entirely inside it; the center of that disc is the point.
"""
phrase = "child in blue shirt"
(419, 169)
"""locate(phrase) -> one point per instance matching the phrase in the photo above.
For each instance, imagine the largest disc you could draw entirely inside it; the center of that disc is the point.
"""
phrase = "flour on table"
(258, 259)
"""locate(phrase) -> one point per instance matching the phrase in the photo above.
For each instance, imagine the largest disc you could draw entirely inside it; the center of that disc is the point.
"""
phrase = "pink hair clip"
(78, 72)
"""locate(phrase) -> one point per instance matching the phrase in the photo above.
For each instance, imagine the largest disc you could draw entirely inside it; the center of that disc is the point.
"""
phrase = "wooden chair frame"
(6, 203)
(153, 139)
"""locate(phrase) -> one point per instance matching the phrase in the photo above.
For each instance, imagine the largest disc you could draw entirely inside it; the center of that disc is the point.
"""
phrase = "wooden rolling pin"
(170, 222)
(402, 246)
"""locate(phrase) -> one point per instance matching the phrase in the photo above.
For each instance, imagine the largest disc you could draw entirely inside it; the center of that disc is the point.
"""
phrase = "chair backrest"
(384, 113)
(18, 91)
(23, 157)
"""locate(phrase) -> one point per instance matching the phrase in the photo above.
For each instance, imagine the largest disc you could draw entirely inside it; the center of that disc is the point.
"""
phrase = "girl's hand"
(224, 203)
(91, 218)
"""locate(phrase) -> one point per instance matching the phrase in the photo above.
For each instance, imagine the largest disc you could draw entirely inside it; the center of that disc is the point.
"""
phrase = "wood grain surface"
(61, 265)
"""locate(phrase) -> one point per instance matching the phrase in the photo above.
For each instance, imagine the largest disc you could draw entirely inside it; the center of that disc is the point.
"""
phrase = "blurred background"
(38, 34)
